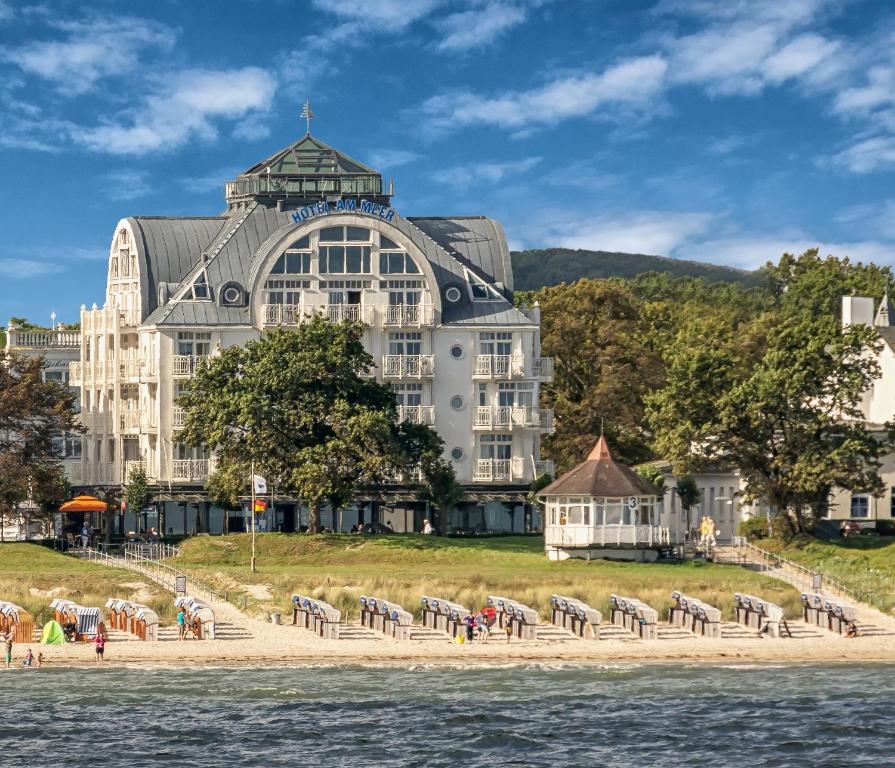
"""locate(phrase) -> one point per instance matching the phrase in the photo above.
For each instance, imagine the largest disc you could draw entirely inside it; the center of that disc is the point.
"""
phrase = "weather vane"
(307, 113)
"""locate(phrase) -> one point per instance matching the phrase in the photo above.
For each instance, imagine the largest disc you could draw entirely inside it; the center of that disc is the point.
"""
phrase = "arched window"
(393, 260)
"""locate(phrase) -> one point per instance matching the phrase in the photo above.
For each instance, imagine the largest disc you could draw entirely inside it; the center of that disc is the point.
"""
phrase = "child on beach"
(181, 623)
(28, 661)
(469, 621)
(40, 659)
(99, 643)
(509, 631)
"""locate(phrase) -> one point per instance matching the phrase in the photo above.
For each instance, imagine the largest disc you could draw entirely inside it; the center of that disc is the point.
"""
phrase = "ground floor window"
(570, 511)
(860, 505)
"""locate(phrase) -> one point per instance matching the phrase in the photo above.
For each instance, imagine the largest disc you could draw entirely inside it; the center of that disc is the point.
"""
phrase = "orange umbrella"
(84, 504)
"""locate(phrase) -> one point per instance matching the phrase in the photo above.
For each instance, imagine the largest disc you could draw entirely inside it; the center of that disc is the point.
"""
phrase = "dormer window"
(200, 287)
(479, 290)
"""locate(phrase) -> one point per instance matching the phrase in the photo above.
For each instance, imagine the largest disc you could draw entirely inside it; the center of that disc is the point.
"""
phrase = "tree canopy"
(302, 406)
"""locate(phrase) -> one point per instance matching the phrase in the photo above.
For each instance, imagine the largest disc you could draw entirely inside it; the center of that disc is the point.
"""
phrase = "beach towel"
(52, 634)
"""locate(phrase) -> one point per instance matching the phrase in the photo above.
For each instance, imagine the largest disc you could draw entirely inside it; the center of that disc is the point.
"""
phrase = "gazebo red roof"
(600, 475)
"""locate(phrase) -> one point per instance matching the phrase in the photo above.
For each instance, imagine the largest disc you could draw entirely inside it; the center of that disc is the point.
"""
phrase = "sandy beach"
(249, 641)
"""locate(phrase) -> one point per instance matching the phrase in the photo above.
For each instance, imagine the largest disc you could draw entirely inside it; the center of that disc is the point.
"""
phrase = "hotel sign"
(324, 208)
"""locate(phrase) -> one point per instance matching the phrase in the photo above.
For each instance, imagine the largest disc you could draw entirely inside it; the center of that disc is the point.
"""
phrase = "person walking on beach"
(469, 621)
(99, 643)
(28, 661)
(7, 649)
(481, 624)
(509, 631)
(181, 623)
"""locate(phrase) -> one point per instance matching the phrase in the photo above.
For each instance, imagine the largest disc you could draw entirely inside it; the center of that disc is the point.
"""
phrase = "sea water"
(535, 715)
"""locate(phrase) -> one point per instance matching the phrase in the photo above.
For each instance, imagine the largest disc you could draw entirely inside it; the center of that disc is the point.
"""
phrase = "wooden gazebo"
(603, 509)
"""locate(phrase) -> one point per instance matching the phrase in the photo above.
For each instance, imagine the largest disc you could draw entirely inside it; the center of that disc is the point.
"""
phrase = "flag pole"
(252, 518)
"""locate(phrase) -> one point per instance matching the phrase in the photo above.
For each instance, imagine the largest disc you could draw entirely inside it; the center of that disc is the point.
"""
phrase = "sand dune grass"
(32, 575)
(401, 568)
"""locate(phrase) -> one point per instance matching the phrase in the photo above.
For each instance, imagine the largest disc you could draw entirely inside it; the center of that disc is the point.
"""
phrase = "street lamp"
(245, 432)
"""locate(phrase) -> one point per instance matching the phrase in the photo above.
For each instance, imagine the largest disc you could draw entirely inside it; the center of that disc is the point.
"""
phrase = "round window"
(452, 294)
(232, 295)
(456, 454)
(456, 351)
(456, 402)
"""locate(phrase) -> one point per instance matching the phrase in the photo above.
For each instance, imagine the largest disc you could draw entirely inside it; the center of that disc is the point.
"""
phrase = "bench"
(522, 620)
(635, 616)
(761, 615)
(316, 616)
(694, 615)
(827, 612)
(575, 616)
(444, 616)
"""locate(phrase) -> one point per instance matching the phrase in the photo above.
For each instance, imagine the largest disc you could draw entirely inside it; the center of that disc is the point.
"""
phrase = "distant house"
(603, 509)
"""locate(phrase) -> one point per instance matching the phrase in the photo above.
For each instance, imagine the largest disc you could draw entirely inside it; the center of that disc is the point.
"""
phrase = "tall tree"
(302, 406)
(137, 492)
(443, 492)
(780, 398)
(689, 494)
(32, 413)
(602, 369)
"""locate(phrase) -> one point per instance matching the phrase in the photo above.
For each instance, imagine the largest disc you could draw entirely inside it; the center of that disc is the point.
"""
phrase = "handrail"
(772, 559)
(155, 569)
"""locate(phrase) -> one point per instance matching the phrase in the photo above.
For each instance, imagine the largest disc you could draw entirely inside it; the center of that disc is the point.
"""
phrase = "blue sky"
(726, 131)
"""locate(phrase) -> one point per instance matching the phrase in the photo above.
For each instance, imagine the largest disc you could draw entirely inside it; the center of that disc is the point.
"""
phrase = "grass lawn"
(864, 564)
(402, 567)
(32, 575)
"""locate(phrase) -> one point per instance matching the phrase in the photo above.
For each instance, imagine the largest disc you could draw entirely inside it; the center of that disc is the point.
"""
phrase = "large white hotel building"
(306, 231)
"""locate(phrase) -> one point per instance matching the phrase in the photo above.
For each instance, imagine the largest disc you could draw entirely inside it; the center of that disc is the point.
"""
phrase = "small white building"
(603, 509)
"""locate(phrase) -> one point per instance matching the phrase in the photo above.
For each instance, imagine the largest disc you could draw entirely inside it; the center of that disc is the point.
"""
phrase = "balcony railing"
(184, 366)
(178, 417)
(130, 420)
(191, 469)
(336, 313)
(408, 316)
(417, 414)
(131, 369)
(282, 314)
(408, 366)
(542, 368)
(42, 339)
(129, 318)
(507, 416)
(611, 535)
(134, 465)
(499, 470)
(499, 366)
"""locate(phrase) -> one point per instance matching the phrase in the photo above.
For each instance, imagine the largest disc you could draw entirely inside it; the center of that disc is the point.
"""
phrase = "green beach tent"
(52, 634)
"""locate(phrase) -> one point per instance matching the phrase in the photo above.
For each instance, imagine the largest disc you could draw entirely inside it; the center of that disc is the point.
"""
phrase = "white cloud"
(753, 251)
(90, 51)
(394, 15)
(876, 153)
(23, 269)
(646, 231)
(127, 184)
(629, 83)
(391, 158)
(211, 181)
(477, 27)
(184, 106)
(473, 173)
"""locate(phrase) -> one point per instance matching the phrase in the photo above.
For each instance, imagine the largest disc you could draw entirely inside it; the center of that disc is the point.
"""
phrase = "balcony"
(97, 473)
(130, 370)
(491, 417)
(184, 366)
(408, 366)
(178, 417)
(18, 339)
(499, 471)
(281, 314)
(191, 470)
(408, 316)
(417, 414)
(130, 420)
(542, 368)
(129, 318)
(134, 465)
(75, 374)
(336, 313)
(499, 367)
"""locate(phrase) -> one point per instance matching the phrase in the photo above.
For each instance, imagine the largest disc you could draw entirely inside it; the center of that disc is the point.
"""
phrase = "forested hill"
(550, 266)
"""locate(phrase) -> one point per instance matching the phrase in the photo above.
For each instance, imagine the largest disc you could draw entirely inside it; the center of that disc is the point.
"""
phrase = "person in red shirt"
(99, 643)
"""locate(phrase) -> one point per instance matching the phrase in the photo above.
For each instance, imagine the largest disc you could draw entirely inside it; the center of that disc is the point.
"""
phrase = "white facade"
(443, 335)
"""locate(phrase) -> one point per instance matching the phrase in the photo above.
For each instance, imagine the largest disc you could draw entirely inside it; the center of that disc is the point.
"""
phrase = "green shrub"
(754, 528)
